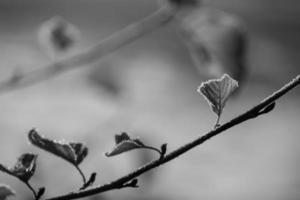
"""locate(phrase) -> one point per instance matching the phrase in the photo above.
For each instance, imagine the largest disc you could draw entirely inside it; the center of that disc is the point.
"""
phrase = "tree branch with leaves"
(216, 92)
(194, 23)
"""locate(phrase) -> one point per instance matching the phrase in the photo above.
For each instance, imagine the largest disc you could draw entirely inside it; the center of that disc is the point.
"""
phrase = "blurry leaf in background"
(5, 191)
(106, 77)
(217, 92)
(184, 2)
(57, 36)
(70, 151)
(24, 168)
(216, 40)
(179, 2)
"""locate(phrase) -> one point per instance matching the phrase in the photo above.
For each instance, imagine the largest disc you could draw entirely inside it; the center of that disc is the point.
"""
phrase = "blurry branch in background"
(216, 41)
(121, 38)
(129, 180)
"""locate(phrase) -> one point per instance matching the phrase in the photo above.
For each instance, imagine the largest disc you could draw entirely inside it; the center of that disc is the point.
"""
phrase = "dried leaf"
(70, 151)
(217, 42)
(81, 151)
(24, 168)
(123, 144)
(217, 92)
(5, 191)
(57, 35)
(120, 138)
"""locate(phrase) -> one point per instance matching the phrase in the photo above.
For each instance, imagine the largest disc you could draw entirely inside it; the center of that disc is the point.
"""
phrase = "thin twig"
(183, 149)
(152, 148)
(111, 44)
(32, 190)
(217, 121)
(81, 174)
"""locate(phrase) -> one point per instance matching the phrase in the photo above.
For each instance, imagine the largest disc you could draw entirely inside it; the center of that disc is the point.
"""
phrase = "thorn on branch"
(40, 193)
(90, 182)
(163, 150)
(133, 183)
(257, 112)
(267, 109)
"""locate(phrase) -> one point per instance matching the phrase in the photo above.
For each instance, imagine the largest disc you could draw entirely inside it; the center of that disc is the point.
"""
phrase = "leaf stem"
(32, 189)
(183, 149)
(109, 45)
(218, 121)
(152, 148)
(81, 174)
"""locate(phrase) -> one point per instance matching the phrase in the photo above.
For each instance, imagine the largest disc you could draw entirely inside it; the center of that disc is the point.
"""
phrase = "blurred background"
(148, 89)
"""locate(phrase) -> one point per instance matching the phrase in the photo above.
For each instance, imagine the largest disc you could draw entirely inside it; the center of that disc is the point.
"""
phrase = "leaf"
(133, 183)
(6, 191)
(70, 151)
(217, 42)
(217, 92)
(123, 144)
(24, 168)
(57, 35)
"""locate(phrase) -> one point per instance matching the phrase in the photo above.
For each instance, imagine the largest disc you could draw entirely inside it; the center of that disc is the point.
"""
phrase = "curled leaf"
(57, 35)
(217, 92)
(124, 143)
(70, 151)
(24, 168)
(6, 191)
(217, 42)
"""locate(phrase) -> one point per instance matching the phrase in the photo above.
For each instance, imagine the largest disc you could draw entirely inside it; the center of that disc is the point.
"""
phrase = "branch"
(111, 44)
(261, 108)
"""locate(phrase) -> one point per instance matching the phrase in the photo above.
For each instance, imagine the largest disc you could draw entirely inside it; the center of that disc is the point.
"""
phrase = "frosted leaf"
(57, 35)
(217, 92)
(217, 42)
(70, 151)
(24, 168)
(123, 144)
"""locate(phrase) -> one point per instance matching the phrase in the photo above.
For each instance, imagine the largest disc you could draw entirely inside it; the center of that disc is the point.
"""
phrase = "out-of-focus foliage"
(57, 35)
(5, 191)
(125, 143)
(216, 40)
